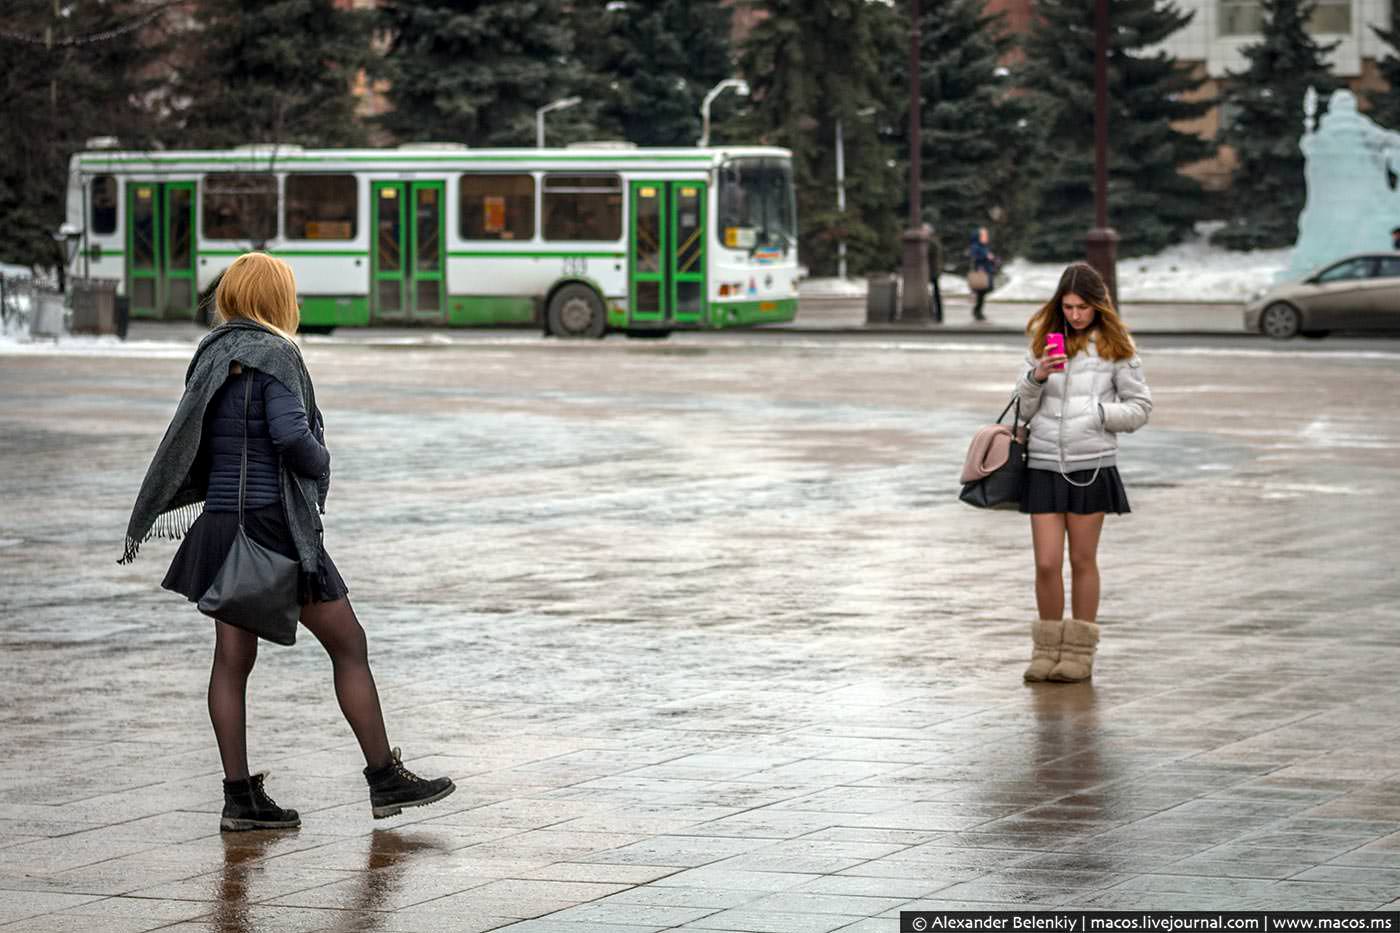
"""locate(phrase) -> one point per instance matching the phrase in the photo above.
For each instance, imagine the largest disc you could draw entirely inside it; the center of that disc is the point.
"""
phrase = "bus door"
(666, 254)
(160, 271)
(408, 278)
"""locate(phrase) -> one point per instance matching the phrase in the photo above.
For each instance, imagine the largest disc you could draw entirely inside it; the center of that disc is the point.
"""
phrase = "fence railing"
(35, 308)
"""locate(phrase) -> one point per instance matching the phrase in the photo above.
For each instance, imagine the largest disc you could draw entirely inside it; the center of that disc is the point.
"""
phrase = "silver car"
(1356, 293)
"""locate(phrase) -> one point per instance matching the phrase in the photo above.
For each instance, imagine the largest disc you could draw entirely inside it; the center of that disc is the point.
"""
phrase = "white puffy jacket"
(1076, 415)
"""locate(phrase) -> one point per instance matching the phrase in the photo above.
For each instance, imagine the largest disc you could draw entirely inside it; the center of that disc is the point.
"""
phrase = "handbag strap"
(243, 465)
(1016, 419)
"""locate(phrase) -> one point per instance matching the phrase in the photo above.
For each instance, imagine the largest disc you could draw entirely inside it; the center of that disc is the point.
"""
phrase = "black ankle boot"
(393, 787)
(247, 806)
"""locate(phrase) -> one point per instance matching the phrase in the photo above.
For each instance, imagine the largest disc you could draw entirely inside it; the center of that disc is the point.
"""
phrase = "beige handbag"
(979, 281)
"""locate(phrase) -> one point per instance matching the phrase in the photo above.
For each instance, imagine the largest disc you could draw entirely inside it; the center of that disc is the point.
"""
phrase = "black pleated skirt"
(1048, 491)
(207, 543)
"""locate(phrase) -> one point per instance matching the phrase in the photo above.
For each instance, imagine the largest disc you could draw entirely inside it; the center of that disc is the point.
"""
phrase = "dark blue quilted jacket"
(277, 427)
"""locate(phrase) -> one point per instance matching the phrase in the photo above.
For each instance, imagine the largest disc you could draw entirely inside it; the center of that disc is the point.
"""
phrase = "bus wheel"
(577, 311)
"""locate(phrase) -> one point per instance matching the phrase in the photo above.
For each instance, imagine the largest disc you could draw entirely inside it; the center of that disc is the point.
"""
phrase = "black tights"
(339, 632)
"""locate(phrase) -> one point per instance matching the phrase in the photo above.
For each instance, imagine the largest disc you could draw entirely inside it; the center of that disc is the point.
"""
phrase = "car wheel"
(1281, 321)
(577, 311)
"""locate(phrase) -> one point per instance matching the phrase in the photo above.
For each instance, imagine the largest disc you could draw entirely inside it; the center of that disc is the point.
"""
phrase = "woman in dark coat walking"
(984, 261)
(249, 369)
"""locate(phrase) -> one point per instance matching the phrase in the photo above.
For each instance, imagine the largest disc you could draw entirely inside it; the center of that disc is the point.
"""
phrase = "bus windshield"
(756, 209)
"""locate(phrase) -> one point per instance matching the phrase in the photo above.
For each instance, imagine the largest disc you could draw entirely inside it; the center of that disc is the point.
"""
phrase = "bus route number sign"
(575, 265)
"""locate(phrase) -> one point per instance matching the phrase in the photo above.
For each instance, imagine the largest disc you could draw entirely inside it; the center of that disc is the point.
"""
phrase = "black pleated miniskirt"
(207, 543)
(1048, 491)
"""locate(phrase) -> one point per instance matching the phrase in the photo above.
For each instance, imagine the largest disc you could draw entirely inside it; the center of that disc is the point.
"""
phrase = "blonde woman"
(191, 490)
(1076, 400)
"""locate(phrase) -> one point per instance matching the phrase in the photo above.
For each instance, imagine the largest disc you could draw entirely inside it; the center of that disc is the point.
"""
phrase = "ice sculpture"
(1350, 167)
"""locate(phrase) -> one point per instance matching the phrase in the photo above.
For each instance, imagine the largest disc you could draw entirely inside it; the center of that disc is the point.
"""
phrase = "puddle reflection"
(367, 894)
(1067, 757)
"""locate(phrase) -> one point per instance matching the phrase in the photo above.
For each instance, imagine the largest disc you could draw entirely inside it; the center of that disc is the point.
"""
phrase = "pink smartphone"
(1055, 343)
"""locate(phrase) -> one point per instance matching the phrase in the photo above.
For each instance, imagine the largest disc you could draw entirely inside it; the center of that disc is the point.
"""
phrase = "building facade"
(1219, 29)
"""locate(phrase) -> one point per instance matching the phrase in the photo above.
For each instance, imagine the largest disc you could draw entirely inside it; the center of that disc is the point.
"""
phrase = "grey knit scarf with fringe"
(172, 494)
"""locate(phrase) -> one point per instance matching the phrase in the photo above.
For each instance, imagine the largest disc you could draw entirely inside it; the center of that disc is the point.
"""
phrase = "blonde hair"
(1082, 279)
(259, 288)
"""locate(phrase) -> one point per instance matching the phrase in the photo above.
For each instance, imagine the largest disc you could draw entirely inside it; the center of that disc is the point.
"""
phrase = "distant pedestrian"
(1395, 238)
(248, 393)
(1076, 401)
(982, 273)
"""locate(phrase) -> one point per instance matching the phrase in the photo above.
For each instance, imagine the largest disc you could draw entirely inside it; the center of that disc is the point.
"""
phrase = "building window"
(1246, 17)
(321, 207)
(1331, 17)
(104, 204)
(496, 207)
(240, 206)
(582, 207)
(1240, 17)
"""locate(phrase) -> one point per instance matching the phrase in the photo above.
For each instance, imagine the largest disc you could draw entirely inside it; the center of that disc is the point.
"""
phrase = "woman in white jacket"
(1076, 404)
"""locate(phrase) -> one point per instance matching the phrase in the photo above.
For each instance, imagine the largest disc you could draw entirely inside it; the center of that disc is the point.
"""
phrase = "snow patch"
(95, 346)
(1190, 272)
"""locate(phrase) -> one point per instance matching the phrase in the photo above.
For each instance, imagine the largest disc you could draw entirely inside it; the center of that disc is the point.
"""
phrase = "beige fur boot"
(1076, 652)
(1045, 653)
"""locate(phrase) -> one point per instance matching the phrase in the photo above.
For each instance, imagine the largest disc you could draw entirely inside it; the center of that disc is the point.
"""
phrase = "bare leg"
(1084, 531)
(339, 632)
(1048, 537)
(235, 653)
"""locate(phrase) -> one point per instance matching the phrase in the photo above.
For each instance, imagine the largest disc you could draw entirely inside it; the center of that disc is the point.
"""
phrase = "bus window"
(104, 204)
(496, 207)
(756, 209)
(321, 207)
(582, 207)
(240, 206)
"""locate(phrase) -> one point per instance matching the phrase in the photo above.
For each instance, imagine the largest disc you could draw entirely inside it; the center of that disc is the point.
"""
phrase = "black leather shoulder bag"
(256, 588)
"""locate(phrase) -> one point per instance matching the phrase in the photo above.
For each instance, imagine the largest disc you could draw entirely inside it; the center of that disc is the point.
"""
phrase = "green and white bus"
(577, 241)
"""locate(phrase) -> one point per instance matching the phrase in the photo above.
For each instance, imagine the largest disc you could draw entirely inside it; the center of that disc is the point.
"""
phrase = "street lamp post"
(740, 86)
(841, 199)
(914, 304)
(561, 104)
(1102, 242)
(841, 188)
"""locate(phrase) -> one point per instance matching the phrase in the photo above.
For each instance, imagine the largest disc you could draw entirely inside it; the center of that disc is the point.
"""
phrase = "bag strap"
(1016, 419)
(243, 466)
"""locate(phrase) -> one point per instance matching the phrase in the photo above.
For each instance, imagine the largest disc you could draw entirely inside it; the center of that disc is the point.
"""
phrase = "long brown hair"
(259, 288)
(1113, 340)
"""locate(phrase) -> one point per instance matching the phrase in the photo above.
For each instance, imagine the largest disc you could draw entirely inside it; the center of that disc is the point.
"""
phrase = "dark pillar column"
(914, 302)
(1102, 242)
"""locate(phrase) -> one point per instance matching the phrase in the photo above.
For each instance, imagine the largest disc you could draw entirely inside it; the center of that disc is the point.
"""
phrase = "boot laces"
(401, 772)
(259, 794)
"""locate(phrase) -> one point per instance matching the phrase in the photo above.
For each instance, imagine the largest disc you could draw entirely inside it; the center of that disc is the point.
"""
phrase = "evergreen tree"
(977, 136)
(1150, 203)
(474, 71)
(810, 66)
(276, 71)
(1385, 105)
(650, 65)
(65, 78)
(1269, 190)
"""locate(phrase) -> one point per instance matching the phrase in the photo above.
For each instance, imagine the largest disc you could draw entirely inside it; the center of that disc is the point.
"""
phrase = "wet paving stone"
(707, 643)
